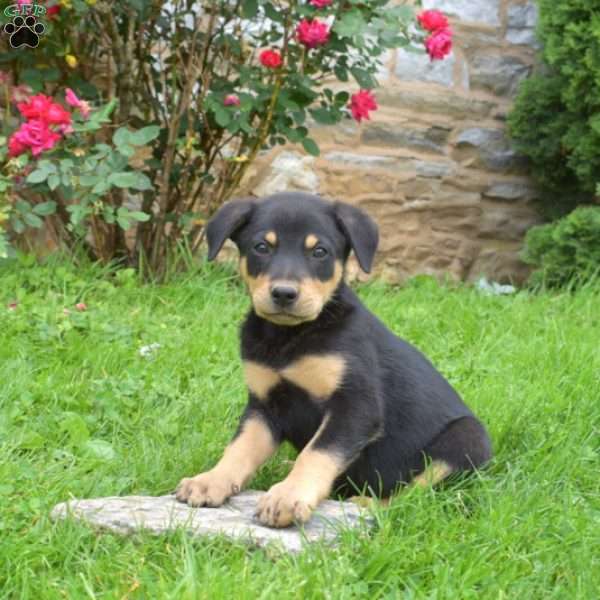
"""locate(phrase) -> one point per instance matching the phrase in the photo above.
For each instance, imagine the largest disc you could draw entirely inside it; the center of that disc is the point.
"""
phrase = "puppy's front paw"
(206, 489)
(283, 505)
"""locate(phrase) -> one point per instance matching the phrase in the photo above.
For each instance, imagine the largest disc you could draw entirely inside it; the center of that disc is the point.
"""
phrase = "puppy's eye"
(262, 248)
(319, 252)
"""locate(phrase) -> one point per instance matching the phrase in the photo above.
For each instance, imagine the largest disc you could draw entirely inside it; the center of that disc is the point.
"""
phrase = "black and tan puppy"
(365, 409)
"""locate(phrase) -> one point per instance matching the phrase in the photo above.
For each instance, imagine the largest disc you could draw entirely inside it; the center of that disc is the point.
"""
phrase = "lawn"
(83, 414)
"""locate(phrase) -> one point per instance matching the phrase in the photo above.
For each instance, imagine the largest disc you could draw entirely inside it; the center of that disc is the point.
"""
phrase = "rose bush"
(145, 115)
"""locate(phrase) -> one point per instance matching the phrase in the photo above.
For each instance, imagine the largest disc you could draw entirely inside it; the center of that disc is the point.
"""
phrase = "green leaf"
(222, 116)
(32, 220)
(350, 24)
(139, 216)
(145, 135)
(53, 181)
(121, 136)
(101, 187)
(341, 73)
(45, 208)
(323, 116)
(310, 146)
(77, 429)
(249, 9)
(103, 115)
(363, 78)
(272, 13)
(123, 223)
(99, 449)
(130, 179)
(89, 180)
(23, 206)
(37, 176)
(18, 225)
(126, 150)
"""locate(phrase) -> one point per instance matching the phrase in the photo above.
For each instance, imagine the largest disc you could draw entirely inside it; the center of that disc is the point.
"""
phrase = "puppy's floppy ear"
(228, 219)
(360, 231)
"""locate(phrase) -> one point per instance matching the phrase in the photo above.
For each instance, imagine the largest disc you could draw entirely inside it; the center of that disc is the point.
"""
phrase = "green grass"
(83, 414)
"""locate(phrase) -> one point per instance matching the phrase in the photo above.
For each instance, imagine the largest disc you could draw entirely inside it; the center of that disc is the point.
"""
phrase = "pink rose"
(320, 3)
(34, 134)
(75, 102)
(439, 44)
(231, 100)
(432, 20)
(312, 33)
(270, 59)
(361, 103)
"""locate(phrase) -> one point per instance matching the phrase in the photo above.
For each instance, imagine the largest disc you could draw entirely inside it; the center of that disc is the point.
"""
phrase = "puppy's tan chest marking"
(260, 379)
(320, 375)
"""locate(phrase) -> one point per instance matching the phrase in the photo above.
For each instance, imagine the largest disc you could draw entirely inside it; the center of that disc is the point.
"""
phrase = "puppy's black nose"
(284, 295)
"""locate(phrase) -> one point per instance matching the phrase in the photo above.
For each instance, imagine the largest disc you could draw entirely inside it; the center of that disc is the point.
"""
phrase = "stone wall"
(434, 166)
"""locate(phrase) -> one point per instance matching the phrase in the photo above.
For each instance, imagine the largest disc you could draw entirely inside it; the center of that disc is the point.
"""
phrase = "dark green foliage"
(565, 252)
(556, 118)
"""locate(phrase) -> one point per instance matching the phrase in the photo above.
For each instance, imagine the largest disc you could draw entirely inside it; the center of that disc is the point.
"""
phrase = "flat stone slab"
(235, 519)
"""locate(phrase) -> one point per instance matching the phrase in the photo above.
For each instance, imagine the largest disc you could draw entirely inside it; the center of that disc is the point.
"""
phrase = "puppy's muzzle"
(284, 296)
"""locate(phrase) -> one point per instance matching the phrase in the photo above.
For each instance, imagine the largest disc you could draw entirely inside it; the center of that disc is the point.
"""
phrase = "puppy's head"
(293, 248)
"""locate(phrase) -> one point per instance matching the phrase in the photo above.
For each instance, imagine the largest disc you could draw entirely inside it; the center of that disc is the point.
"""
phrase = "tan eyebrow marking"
(271, 237)
(311, 241)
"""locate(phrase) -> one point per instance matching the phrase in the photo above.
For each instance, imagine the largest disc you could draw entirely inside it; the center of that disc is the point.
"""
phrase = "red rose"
(320, 3)
(270, 59)
(312, 33)
(439, 44)
(361, 103)
(52, 11)
(44, 108)
(15, 146)
(231, 100)
(35, 107)
(432, 20)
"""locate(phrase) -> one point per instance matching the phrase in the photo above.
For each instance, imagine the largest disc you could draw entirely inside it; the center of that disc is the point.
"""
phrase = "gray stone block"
(493, 148)
(500, 75)
(411, 66)
(481, 11)
(522, 20)
(430, 139)
(234, 520)
(509, 191)
(435, 102)
(361, 160)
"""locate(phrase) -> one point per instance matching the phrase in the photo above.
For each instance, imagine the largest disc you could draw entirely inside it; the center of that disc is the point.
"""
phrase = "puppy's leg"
(345, 430)
(463, 446)
(251, 447)
(309, 482)
(435, 472)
